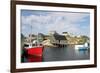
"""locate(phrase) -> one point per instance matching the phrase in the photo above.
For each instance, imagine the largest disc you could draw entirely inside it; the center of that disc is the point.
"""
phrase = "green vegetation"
(83, 39)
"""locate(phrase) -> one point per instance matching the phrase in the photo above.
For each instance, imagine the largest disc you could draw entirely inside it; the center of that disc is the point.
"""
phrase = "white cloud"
(59, 21)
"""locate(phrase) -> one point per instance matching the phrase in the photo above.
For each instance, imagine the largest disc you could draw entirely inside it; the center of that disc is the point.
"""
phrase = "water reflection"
(82, 54)
(63, 54)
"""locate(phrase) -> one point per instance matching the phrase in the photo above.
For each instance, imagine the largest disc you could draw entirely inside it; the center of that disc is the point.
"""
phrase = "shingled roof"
(59, 37)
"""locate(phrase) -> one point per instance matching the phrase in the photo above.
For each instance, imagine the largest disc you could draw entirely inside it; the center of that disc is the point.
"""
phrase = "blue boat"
(83, 48)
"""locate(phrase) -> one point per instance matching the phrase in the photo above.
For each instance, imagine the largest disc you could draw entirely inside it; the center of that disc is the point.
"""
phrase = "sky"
(37, 21)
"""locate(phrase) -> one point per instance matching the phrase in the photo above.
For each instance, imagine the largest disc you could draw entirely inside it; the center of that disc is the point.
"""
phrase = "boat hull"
(35, 54)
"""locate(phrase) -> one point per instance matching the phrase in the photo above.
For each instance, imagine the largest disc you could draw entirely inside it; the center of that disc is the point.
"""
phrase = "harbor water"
(65, 54)
(68, 53)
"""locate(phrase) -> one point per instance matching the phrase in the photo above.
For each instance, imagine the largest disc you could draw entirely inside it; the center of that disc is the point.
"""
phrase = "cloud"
(45, 21)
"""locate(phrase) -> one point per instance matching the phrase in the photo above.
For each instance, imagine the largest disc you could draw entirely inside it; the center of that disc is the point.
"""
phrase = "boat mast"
(31, 37)
(37, 40)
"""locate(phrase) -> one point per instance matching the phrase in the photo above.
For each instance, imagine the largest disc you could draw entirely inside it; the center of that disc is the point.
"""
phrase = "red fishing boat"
(34, 51)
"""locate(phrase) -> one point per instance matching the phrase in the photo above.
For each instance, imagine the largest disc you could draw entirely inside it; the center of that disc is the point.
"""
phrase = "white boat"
(84, 46)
